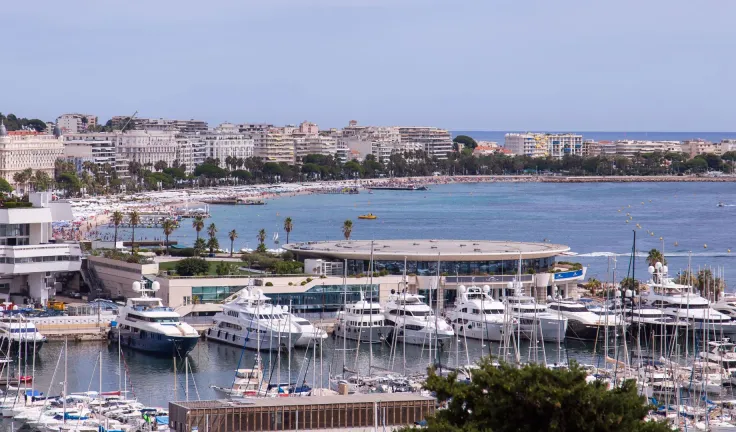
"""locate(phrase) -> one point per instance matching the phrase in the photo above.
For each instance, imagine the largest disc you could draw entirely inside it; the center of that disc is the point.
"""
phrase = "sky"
(623, 65)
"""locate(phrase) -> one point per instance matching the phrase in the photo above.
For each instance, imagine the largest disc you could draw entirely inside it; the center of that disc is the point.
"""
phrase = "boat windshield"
(270, 316)
(420, 313)
(169, 320)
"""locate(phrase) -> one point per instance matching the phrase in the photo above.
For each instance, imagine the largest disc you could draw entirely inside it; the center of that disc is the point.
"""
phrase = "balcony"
(40, 258)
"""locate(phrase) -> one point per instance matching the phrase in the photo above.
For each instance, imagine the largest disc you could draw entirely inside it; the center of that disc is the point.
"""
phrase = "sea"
(683, 219)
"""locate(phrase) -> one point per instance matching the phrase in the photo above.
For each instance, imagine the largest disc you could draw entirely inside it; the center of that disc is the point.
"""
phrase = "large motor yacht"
(721, 353)
(682, 302)
(413, 321)
(582, 323)
(362, 321)
(654, 320)
(250, 321)
(534, 321)
(311, 334)
(477, 315)
(146, 324)
(19, 333)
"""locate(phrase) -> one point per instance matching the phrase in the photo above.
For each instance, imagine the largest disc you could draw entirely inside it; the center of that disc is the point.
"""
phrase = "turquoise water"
(585, 217)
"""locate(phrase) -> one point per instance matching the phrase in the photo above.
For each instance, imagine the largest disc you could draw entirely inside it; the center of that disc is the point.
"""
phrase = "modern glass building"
(432, 257)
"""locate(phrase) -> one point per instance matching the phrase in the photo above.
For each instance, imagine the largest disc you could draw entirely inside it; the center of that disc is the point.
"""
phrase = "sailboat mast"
(344, 323)
(370, 315)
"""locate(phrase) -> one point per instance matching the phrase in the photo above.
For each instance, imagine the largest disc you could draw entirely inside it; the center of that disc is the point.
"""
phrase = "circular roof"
(426, 250)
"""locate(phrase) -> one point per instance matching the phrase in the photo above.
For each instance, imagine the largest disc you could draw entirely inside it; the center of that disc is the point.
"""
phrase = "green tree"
(213, 245)
(535, 398)
(288, 226)
(232, 235)
(169, 225)
(192, 266)
(224, 268)
(212, 230)
(5, 186)
(43, 181)
(117, 219)
(135, 218)
(198, 224)
(160, 165)
(261, 240)
(465, 141)
(629, 284)
(347, 229)
(654, 256)
(199, 246)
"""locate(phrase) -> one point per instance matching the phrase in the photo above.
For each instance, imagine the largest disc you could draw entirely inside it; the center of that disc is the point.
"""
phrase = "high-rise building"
(28, 149)
(73, 123)
(274, 146)
(147, 147)
(541, 145)
(564, 144)
(225, 141)
(97, 148)
(436, 142)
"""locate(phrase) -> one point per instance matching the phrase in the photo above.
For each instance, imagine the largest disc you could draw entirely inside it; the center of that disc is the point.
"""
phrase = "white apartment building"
(73, 123)
(254, 128)
(185, 152)
(147, 146)
(436, 142)
(726, 145)
(161, 124)
(27, 149)
(565, 144)
(98, 148)
(629, 148)
(221, 143)
(29, 262)
(699, 146)
(274, 146)
(556, 145)
(314, 144)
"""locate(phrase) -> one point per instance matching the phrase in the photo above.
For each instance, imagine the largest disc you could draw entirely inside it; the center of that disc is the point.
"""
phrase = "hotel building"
(274, 146)
(542, 145)
(30, 261)
(73, 123)
(98, 148)
(222, 142)
(147, 146)
(27, 149)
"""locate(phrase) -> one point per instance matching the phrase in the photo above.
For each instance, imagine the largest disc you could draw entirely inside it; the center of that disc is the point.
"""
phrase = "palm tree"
(198, 224)
(117, 219)
(212, 230)
(288, 226)
(233, 235)
(135, 219)
(347, 229)
(261, 240)
(169, 225)
(654, 256)
(213, 244)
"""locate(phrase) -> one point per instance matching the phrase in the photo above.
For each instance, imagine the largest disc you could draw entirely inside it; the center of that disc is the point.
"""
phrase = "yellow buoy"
(705, 246)
(661, 238)
(729, 250)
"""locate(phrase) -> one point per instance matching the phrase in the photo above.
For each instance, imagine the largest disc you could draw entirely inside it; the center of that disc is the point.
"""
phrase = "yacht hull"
(308, 339)
(492, 332)
(265, 342)
(25, 347)
(583, 331)
(375, 334)
(420, 337)
(548, 330)
(156, 343)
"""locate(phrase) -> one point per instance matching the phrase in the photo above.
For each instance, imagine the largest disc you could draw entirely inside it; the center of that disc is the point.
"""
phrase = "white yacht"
(17, 331)
(250, 321)
(726, 305)
(413, 321)
(310, 333)
(362, 321)
(247, 383)
(651, 319)
(721, 353)
(582, 323)
(534, 319)
(477, 315)
(682, 302)
(146, 324)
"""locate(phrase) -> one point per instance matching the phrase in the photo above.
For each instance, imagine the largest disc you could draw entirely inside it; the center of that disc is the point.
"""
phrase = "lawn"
(171, 265)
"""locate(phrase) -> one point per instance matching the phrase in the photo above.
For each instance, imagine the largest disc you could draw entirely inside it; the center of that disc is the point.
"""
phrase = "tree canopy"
(13, 123)
(466, 141)
(535, 398)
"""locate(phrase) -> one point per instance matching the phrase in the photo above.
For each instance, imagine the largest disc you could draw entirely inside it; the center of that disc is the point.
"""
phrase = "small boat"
(368, 216)
(720, 204)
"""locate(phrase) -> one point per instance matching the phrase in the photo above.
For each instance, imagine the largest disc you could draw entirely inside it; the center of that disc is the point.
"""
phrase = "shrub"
(309, 280)
(186, 252)
(303, 283)
(192, 266)
(287, 267)
(224, 268)
(268, 284)
(291, 283)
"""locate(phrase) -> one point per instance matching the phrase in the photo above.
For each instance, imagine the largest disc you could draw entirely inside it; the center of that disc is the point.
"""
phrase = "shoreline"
(91, 213)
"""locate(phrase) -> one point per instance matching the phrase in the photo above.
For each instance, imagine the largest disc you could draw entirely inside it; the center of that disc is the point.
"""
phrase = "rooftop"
(311, 400)
(446, 250)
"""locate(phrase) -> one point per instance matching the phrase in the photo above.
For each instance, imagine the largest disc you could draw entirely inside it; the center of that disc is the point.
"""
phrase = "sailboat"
(276, 237)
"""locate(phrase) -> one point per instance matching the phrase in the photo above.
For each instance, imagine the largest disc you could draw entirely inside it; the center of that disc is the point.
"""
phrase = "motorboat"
(145, 324)
(534, 321)
(477, 315)
(251, 321)
(582, 323)
(17, 331)
(650, 319)
(368, 216)
(362, 321)
(726, 305)
(682, 302)
(247, 383)
(413, 321)
(311, 334)
(721, 353)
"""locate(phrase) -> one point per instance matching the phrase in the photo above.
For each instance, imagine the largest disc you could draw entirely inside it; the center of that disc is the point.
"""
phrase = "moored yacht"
(250, 321)
(362, 321)
(247, 383)
(682, 302)
(413, 321)
(18, 332)
(534, 319)
(651, 319)
(477, 315)
(311, 334)
(146, 324)
(582, 323)
(721, 353)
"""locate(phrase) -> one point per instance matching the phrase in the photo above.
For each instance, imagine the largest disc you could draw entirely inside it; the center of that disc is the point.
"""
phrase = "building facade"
(436, 142)
(29, 260)
(274, 146)
(73, 123)
(566, 144)
(97, 148)
(557, 145)
(27, 149)
(147, 146)
(161, 124)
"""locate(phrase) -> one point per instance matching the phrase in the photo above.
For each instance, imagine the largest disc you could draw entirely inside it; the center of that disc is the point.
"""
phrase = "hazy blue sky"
(483, 65)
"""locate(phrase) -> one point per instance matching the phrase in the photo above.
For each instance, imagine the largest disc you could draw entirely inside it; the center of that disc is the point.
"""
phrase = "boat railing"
(153, 309)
